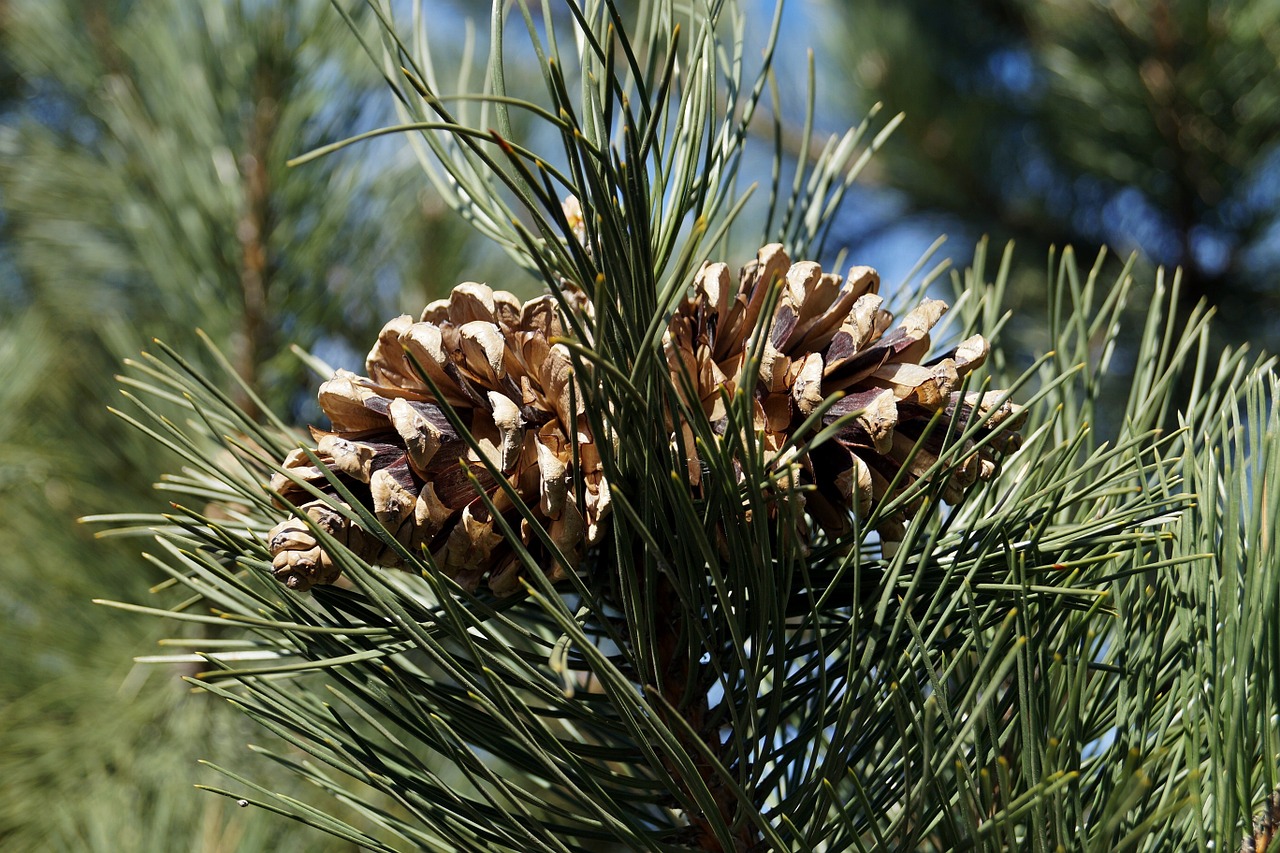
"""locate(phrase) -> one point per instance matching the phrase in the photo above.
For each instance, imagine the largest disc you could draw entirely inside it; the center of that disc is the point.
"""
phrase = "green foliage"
(168, 205)
(145, 190)
(1035, 668)
(1149, 126)
(1071, 658)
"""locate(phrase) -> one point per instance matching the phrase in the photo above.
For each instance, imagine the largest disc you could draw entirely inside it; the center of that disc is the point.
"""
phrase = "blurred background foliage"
(1149, 127)
(144, 193)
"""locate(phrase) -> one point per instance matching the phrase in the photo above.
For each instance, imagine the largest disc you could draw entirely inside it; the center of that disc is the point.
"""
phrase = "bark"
(675, 661)
(253, 231)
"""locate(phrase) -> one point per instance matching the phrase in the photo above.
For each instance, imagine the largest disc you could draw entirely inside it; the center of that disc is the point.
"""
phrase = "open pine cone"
(491, 359)
(828, 335)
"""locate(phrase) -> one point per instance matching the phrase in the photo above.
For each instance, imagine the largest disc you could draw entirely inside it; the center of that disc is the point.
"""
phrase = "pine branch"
(254, 227)
(684, 569)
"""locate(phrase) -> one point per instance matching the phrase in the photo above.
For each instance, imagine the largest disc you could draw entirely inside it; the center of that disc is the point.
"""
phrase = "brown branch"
(1170, 110)
(673, 681)
(101, 31)
(253, 230)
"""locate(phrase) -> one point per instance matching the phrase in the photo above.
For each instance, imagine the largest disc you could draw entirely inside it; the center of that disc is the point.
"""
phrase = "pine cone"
(391, 444)
(829, 335)
(491, 359)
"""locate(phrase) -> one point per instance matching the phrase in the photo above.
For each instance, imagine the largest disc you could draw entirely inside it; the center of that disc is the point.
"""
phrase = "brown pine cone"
(491, 359)
(828, 335)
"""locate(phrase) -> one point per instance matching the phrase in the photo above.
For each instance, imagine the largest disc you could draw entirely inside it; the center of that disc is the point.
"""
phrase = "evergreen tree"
(146, 194)
(646, 597)
(1145, 126)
